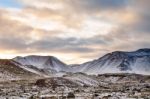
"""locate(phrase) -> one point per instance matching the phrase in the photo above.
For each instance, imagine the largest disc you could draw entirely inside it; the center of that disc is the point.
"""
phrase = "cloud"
(68, 44)
(82, 29)
(16, 35)
(72, 13)
(21, 38)
(140, 8)
(96, 5)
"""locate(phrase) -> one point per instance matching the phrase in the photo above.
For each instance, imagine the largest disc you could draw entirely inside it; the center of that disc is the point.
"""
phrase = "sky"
(74, 31)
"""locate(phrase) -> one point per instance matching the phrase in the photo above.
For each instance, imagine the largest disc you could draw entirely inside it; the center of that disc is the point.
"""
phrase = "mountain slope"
(10, 70)
(120, 62)
(47, 64)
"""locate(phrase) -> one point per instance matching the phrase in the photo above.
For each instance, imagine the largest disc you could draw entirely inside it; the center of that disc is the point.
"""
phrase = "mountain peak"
(144, 50)
(118, 53)
(139, 52)
(35, 56)
(42, 62)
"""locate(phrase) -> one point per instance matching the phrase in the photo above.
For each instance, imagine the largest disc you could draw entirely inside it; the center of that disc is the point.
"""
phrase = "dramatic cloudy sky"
(74, 31)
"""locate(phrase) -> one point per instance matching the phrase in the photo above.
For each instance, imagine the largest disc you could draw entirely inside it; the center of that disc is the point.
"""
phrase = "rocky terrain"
(79, 86)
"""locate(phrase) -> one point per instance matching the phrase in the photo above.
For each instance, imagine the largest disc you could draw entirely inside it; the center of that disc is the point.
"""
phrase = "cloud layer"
(74, 30)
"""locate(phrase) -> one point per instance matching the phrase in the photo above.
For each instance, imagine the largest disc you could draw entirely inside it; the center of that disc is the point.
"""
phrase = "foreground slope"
(10, 70)
(104, 86)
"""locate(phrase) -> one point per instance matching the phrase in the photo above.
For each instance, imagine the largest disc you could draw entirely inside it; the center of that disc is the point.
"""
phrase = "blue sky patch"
(10, 4)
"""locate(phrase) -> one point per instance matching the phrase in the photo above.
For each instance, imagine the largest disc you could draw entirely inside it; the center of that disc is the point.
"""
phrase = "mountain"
(47, 64)
(10, 70)
(115, 62)
(120, 62)
(137, 62)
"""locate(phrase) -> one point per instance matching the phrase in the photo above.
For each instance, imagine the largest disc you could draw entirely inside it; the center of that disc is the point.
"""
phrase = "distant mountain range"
(137, 62)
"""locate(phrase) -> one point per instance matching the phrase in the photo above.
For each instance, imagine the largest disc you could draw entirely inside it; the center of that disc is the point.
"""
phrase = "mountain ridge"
(137, 62)
(122, 60)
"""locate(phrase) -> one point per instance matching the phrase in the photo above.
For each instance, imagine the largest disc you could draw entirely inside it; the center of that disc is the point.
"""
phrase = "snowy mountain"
(116, 62)
(47, 64)
(120, 62)
(42, 62)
